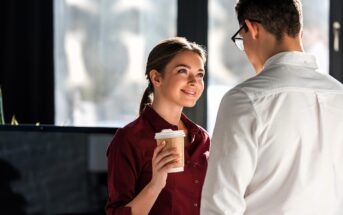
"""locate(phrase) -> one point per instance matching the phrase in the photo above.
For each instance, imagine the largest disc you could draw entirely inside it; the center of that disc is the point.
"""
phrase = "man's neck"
(287, 44)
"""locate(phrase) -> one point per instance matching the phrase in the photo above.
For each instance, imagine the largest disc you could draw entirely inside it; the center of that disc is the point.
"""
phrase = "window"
(101, 49)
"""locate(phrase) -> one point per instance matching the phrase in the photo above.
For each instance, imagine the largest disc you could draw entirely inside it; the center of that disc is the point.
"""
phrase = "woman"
(138, 179)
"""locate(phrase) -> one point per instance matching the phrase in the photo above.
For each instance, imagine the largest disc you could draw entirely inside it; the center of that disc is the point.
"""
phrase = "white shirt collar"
(292, 58)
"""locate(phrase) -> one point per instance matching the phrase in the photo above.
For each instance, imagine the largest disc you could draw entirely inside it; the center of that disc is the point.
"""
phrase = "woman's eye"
(201, 75)
(182, 71)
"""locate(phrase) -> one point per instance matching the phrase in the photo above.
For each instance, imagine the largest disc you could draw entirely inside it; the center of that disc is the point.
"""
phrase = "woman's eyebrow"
(184, 65)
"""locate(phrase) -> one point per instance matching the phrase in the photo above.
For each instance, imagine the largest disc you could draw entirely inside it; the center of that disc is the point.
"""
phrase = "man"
(277, 146)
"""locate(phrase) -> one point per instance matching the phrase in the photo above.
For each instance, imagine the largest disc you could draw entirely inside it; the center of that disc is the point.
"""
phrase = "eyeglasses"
(239, 40)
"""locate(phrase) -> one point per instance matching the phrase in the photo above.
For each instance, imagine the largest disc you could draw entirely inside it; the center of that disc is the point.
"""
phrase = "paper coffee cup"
(173, 139)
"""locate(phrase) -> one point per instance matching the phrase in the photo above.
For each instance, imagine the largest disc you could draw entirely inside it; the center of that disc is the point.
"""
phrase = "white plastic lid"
(168, 133)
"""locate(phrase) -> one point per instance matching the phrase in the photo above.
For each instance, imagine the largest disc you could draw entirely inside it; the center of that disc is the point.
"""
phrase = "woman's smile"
(189, 92)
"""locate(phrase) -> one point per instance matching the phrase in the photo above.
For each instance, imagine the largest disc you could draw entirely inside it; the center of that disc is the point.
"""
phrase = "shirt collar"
(158, 123)
(292, 58)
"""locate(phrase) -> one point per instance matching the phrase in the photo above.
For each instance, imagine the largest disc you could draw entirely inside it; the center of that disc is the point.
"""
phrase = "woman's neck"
(170, 113)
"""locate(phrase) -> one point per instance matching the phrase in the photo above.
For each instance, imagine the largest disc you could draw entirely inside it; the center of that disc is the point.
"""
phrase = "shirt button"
(195, 204)
(196, 181)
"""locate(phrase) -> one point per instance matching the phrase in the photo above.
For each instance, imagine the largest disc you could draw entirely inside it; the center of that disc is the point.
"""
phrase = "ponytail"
(146, 99)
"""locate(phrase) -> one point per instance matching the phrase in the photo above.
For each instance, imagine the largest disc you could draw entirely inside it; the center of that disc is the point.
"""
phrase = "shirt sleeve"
(233, 156)
(122, 174)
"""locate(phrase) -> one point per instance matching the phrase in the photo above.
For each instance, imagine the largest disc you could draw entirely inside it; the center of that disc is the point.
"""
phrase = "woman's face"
(183, 80)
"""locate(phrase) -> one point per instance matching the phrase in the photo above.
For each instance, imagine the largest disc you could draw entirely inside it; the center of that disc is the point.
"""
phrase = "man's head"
(269, 27)
(278, 17)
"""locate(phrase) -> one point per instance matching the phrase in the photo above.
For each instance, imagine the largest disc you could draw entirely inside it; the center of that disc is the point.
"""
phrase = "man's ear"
(254, 28)
(155, 77)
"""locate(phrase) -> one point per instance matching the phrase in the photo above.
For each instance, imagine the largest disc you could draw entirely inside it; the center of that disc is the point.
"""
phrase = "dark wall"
(26, 60)
(336, 56)
(192, 19)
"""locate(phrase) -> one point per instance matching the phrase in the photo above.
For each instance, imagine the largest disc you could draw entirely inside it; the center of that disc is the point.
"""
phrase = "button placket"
(195, 164)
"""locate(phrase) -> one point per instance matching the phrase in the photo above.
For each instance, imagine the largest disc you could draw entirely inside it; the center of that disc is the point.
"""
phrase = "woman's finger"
(158, 149)
(164, 153)
(169, 166)
(166, 160)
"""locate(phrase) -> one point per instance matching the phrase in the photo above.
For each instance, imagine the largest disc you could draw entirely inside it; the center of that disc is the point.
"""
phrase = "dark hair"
(277, 16)
(161, 55)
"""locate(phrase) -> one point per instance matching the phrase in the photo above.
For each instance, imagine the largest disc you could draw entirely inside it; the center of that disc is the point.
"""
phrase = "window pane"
(316, 31)
(101, 49)
(228, 66)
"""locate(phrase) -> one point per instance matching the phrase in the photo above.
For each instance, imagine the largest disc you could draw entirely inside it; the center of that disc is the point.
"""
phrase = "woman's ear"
(155, 77)
(254, 28)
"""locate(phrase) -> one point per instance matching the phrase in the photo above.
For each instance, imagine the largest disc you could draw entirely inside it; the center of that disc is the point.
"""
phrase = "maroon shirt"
(129, 167)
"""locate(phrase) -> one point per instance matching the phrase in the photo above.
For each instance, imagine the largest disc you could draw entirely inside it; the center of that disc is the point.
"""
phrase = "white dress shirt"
(277, 146)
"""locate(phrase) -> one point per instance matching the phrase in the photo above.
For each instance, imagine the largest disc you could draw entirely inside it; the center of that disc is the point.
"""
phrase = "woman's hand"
(162, 162)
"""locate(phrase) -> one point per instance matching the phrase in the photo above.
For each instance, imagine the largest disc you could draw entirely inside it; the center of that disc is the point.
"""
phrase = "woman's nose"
(191, 79)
